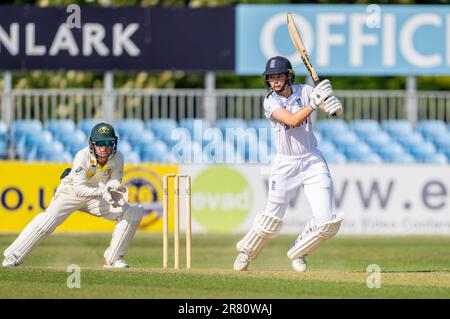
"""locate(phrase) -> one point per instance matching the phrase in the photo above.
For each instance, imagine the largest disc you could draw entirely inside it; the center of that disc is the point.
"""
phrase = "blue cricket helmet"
(278, 65)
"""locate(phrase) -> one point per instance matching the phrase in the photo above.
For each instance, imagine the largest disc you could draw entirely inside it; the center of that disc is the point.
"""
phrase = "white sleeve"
(306, 93)
(81, 167)
(270, 105)
(117, 172)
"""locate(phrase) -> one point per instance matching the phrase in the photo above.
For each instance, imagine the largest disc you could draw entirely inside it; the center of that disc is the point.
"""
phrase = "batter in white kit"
(298, 162)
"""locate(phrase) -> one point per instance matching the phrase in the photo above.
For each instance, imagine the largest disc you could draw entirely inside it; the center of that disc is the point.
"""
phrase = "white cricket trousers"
(291, 172)
(62, 205)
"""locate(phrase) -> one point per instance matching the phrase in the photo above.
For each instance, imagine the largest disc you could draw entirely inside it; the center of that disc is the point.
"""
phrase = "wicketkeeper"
(93, 185)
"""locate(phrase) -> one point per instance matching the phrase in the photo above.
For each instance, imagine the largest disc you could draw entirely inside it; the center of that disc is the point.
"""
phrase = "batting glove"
(333, 106)
(320, 93)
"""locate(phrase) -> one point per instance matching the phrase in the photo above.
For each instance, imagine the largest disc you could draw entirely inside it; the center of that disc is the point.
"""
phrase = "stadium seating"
(431, 129)
(330, 128)
(24, 127)
(4, 140)
(334, 157)
(397, 127)
(161, 127)
(196, 127)
(168, 141)
(86, 125)
(129, 128)
(60, 128)
(365, 128)
(231, 123)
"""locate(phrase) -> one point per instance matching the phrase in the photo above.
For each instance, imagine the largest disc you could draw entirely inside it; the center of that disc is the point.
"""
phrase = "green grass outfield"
(412, 267)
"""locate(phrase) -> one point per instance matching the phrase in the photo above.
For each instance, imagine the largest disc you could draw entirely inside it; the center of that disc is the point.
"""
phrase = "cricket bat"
(301, 49)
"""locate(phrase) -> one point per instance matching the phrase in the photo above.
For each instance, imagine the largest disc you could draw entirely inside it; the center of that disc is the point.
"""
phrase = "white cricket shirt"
(86, 174)
(292, 141)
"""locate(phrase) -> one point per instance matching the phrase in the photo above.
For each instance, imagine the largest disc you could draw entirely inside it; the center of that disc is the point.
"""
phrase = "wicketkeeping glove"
(105, 192)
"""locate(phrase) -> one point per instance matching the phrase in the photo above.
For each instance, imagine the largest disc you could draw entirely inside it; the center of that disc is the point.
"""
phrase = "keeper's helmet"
(103, 134)
(278, 65)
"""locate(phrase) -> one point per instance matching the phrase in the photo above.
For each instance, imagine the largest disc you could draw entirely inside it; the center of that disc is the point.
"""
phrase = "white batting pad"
(39, 228)
(303, 246)
(265, 227)
(124, 233)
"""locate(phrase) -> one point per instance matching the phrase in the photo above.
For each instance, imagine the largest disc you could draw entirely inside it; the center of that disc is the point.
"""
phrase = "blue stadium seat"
(357, 150)
(212, 135)
(379, 140)
(3, 128)
(177, 135)
(231, 123)
(251, 147)
(4, 139)
(74, 147)
(63, 157)
(394, 153)
(319, 137)
(28, 144)
(399, 158)
(136, 140)
(131, 157)
(265, 153)
(329, 128)
(124, 147)
(50, 151)
(259, 123)
(129, 128)
(334, 157)
(397, 128)
(364, 128)
(263, 129)
(75, 142)
(141, 141)
(77, 135)
(411, 140)
(187, 153)
(326, 147)
(161, 127)
(343, 140)
(153, 151)
(86, 125)
(366, 158)
(25, 127)
(245, 142)
(3, 148)
(423, 152)
(225, 154)
(431, 129)
(196, 127)
(446, 152)
(60, 127)
(430, 158)
(442, 142)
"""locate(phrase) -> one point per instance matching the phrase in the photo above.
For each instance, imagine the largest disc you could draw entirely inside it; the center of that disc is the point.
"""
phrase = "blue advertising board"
(347, 39)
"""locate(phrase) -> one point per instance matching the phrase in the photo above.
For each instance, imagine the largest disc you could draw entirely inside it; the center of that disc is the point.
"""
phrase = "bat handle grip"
(316, 82)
